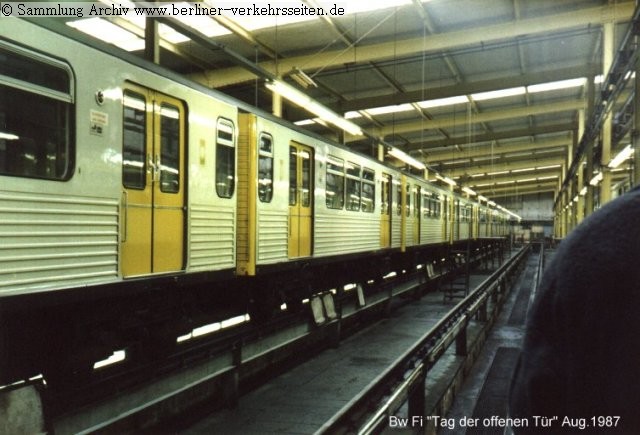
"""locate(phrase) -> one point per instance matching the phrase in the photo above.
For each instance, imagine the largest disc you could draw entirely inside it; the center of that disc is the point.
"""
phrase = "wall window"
(368, 190)
(353, 186)
(335, 183)
(225, 158)
(265, 167)
(36, 116)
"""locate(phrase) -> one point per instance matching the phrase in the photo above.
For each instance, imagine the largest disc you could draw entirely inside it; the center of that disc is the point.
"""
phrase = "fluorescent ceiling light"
(542, 168)
(491, 203)
(483, 198)
(308, 103)
(108, 32)
(596, 179)
(527, 180)
(390, 109)
(497, 173)
(502, 93)
(478, 175)
(469, 191)
(8, 136)
(584, 190)
(305, 122)
(352, 114)
(401, 155)
(515, 171)
(552, 177)
(447, 180)
(461, 99)
(621, 157)
(552, 86)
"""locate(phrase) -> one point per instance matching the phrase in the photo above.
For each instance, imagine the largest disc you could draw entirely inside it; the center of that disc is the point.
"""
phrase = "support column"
(151, 41)
(276, 104)
(588, 200)
(608, 42)
(580, 171)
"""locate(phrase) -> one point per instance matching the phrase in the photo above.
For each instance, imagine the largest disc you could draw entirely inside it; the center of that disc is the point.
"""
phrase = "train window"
(407, 205)
(134, 138)
(368, 190)
(335, 183)
(354, 185)
(225, 158)
(265, 167)
(399, 199)
(169, 148)
(385, 195)
(417, 202)
(36, 115)
(293, 175)
(305, 194)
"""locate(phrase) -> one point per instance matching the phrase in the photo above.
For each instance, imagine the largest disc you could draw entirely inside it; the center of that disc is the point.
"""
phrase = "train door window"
(407, 205)
(399, 196)
(36, 115)
(385, 196)
(417, 202)
(169, 165)
(353, 186)
(293, 175)
(225, 158)
(265, 167)
(134, 140)
(305, 195)
(368, 190)
(335, 183)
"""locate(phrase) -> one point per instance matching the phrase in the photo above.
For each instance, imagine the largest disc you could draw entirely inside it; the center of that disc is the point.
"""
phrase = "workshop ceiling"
(438, 62)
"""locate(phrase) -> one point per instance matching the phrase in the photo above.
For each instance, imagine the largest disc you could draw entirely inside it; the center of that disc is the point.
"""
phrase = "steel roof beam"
(433, 43)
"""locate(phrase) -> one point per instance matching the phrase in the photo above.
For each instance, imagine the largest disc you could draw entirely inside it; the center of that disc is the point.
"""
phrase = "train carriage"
(134, 203)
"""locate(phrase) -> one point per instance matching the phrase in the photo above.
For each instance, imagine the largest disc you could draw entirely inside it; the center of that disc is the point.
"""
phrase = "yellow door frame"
(153, 215)
(300, 200)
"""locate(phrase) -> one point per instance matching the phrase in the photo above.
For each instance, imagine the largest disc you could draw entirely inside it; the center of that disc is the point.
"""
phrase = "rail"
(405, 378)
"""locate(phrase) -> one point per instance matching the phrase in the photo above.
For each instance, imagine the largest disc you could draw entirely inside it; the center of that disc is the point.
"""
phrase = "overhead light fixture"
(8, 136)
(390, 109)
(542, 168)
(502, 93)
(553, 86)
(428, 104)
(469, 191)
(621, 157)
(491, 203)
(306, 102)
(447, 180)
(584, 190)
(301, 78)
(401, 155)
(596, 179)
(483, 198)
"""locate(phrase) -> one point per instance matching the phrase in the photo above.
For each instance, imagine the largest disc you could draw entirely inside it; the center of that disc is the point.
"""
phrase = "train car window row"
(368, 190)
(225, 158)
(36, 115)
(357, 185)
(334, 189)
(353, 186)
(265, 167)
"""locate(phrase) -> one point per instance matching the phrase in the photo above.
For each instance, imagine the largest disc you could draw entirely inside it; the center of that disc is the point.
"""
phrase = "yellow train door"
(385, 211)
(300, 200)
(152, 239)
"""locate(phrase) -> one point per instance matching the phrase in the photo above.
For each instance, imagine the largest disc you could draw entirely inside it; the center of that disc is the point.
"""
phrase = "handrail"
(393, 386)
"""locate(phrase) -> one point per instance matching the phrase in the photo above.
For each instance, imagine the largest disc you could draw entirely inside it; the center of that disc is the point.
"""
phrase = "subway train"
(136, 205)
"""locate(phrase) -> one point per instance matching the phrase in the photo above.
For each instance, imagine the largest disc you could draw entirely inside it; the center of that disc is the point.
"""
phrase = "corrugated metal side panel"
(396, 228)
(54, 242)
(345, 234)
(431, 231)
(212, 244)
(464, 230)
(273, 236)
